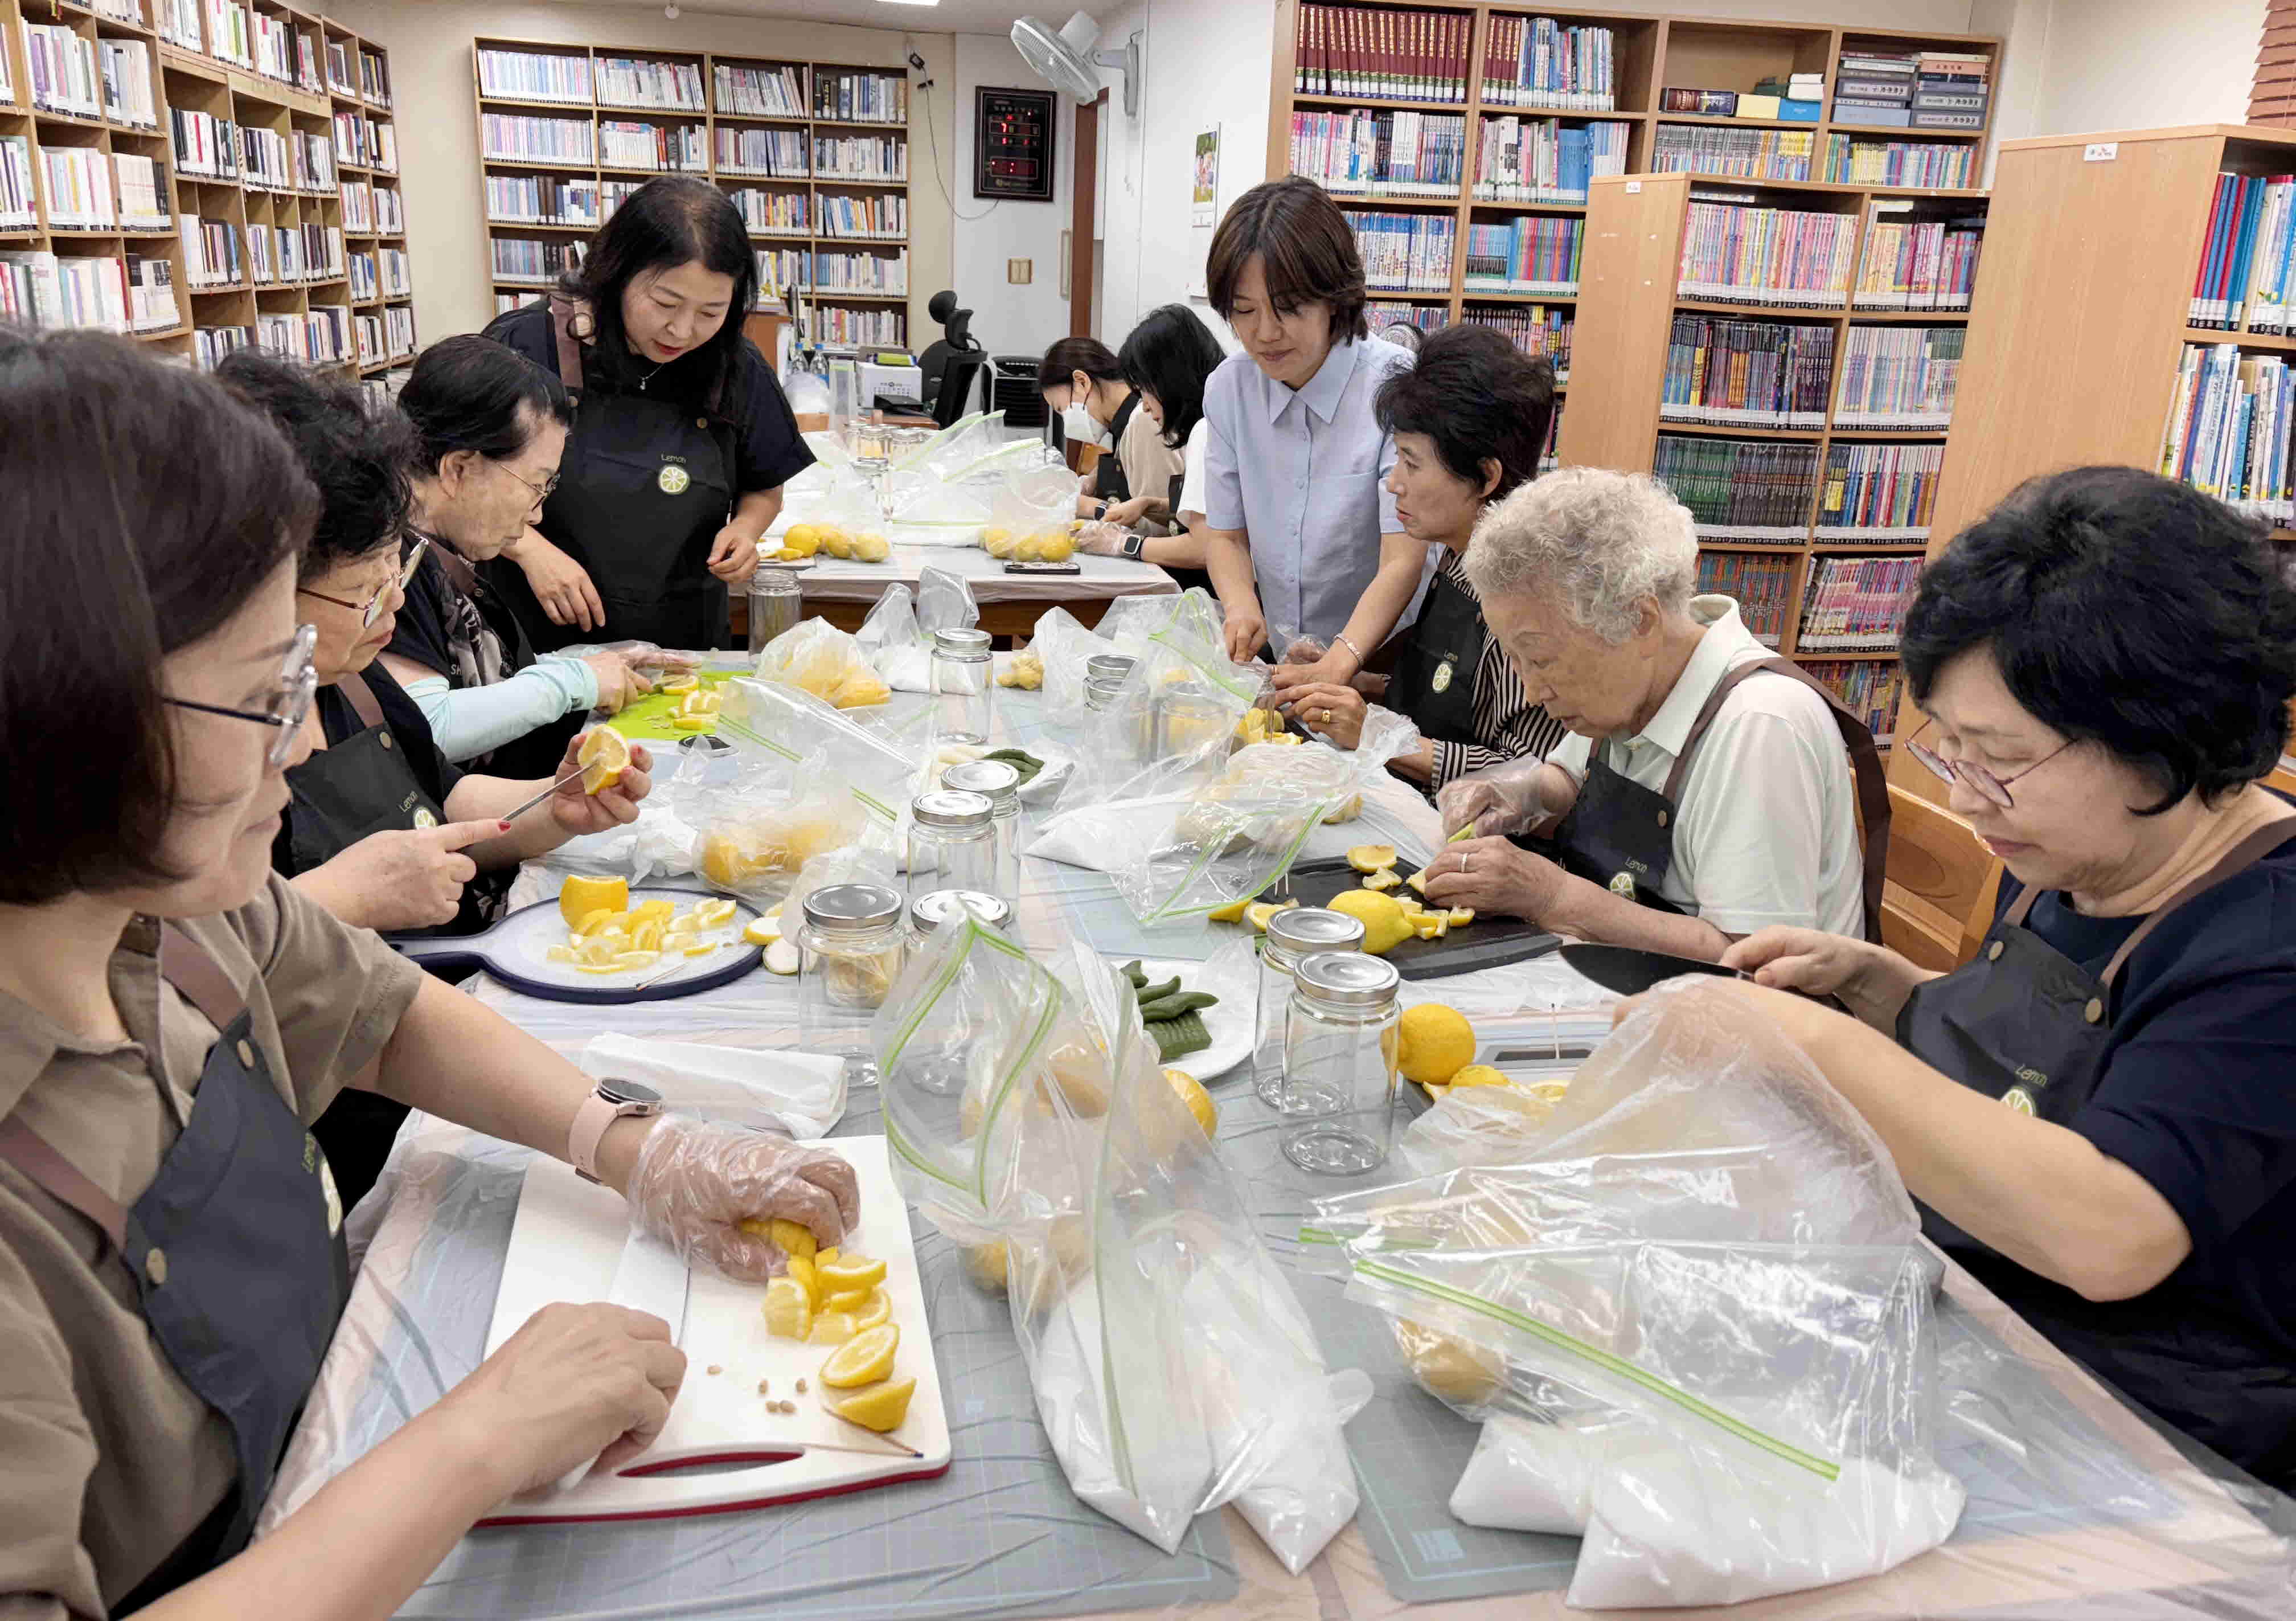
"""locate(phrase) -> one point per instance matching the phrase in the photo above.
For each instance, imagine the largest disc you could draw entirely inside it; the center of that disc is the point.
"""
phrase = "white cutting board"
(566, 1244)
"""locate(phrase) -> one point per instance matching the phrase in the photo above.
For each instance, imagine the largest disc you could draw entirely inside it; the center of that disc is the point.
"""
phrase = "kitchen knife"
(647, 1278)
(1631, 971)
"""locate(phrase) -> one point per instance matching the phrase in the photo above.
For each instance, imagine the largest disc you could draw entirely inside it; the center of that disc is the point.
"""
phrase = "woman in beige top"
(172, 1018)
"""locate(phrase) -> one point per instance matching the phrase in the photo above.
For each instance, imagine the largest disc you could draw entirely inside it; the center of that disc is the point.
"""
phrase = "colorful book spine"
(1545, 160)
(1746, 491)
(1534, 329)
(1746, 373)
(1898, 377)
(1533, 253)
(1738, 253)
(1878, 494)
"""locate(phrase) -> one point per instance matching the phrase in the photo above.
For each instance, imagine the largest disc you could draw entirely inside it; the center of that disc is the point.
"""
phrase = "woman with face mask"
(1083, 384)
(493, 426)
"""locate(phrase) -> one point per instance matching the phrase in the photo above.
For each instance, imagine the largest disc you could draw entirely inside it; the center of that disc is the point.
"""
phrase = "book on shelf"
(771, 213)
(1746, 373)
(1381, 153)
(1537, 160)
(1381, 314)
(852, 326)
(1532, 253)
(1792, 87)
(1755, 491)
(1762, 587)
(881, 214)
(2242, 282)
(20, 207)
(2228, 429)
(77, 181)
(210, 344)
(1869, 688)
(271, 45)
(886, 274)
(374, 76)
(846, 156)
(211, 252)
(534, 76)
(1745, 154)
(531, 262)
(759, 91)
(1900, 377)
(126, 65)
(1918, 264)
(63, 70)
(151, 284)
(51, 290)
(613, 194)
(861, 97)
(527, 138)
(775, 152)
(780, 270)
(307, 76)
(1405, 252)
(177, 22)
(530, 199)
(1931, 165)
(1534, 329)
(1382, 55)
(230, 32)
(141, 186)
(1877, 495)
(340, 78)
(665, 148)
(649, 82)
(1538, 61)
(1856, 605)
(1736, 253)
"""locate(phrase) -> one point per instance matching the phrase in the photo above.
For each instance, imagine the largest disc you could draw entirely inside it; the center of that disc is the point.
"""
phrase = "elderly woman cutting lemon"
(1706, 791)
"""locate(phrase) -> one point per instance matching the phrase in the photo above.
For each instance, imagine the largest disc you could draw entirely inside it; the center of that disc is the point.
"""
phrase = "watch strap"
(591, 1119)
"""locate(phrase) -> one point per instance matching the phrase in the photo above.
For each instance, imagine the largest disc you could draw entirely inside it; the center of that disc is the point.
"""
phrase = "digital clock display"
(1012, 144)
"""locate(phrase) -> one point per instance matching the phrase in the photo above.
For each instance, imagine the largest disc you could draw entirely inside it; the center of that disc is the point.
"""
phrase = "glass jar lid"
(1299, 930)
(1116, 664)
(944, 905)
(852, 909)
(952, 808)
(963, 643)
(1348, 981)
(998, 779)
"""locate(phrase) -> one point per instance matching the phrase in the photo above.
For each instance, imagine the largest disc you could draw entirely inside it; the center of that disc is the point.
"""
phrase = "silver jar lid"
(852, 909)
(997, 780)
(1347, 980)
(1113, 664)
(952, 808)
(872, 465)
(1302, 930)
(944, 905)
(962, 643)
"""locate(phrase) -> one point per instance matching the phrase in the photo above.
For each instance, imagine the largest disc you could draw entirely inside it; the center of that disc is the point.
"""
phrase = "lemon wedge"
(849, 1272)
(800, 1267)
(830, 1328)
(582, 896)
(1371, 858)
(713, 914)
(880, 1407)
(863, 1360)
(848, 1301)
(763, 932)
(880, 1309)
(788, 1313)
(604, 757)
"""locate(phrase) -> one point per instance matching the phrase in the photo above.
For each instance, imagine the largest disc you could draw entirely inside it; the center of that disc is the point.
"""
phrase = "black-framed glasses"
(1980, 781)
(541, 492)
(290, 701)
(372, 609)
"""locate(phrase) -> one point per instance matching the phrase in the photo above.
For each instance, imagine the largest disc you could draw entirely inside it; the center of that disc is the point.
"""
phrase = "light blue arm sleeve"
(468, 721)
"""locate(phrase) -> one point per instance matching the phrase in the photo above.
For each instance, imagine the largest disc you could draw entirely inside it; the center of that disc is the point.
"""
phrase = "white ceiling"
(948, 17)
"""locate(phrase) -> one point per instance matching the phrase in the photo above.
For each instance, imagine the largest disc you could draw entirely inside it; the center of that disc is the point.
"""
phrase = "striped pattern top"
(1508, 725)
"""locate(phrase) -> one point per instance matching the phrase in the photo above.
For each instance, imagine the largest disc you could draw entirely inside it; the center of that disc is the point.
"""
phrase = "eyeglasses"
(290, 703)
(372, 609)
(1980, 780)
(541, 492)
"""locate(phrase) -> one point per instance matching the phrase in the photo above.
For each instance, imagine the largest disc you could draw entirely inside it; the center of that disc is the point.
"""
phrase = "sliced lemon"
(1418, 881)
(825, 1257)
(800, 1267)
(764, 931)
(692, 723)
(830, 1328)
(880, 1407)
(1425, 925)
(1259, 911)
(880, 1309)
(788, 1310)
(712, 914)
(793, 1238)
(1233, 912)
(591, 922)
(598, 967)
(849, 1301)
(637, 959)
(1371, 858)
(562, 954)
(1461, 916)
(596, 952)
(679, 686)
(849, 1272)
(582, 896)
(655, 908)
(702, 949)
(1384, 878)
(604, 757)
(865, 1359)
(647, 936)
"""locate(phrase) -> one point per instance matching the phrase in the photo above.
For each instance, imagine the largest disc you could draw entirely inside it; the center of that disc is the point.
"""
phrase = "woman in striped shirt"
(1470, 420)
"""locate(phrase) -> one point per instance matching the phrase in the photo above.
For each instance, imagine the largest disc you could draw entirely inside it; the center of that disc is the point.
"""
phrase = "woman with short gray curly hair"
(1690, 805)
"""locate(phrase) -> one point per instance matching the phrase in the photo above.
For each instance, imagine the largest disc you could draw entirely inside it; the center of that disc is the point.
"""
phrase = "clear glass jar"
(776, 602)
(1293, 934)
(873, 471)
(1339, 1063)
(927, 913)
(853, 944)
(952, 842)
(1187, 718)
(964, 685)
(999, 782)
(1111, 666)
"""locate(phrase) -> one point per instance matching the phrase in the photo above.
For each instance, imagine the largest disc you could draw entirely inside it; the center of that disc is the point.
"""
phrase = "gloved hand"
(1504, 799)
(645, 656)
(1100, 539)
(696, 1180)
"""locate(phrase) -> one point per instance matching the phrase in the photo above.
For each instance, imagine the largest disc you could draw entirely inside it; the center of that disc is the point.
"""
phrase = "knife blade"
(1631, 971)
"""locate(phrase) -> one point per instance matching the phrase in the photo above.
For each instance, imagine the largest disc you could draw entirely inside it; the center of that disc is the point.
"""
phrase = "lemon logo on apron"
(423, 818)
(674, 480)
(2018, 1099)
(1442, 681)
(1623, 884)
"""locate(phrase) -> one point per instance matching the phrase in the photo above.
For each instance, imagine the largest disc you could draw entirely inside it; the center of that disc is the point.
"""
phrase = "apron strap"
(362, 700)
(2019, 908)
(459, 573)
(2237, 860)
(1866, 771)
(63, 1181)
(199, 979)
(570, 347)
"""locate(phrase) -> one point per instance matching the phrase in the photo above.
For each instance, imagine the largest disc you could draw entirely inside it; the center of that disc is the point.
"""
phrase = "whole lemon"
(1438, 1044)
(1385, 927)
(1057, 548)
(1199, 1101)
(836, 542)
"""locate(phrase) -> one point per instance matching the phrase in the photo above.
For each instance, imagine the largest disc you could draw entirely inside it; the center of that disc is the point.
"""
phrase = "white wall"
(1008, 320)
(2144, 64)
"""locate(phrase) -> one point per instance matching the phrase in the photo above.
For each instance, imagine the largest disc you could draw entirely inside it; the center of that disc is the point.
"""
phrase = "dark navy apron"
(1112, 483)
(1620, 834)
(235, 1250)
(2023, 1022)
(1435, 663)
(643, 488)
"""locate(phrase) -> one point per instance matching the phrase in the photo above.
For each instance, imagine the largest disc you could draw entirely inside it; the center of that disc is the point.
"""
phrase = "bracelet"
(1341, 639)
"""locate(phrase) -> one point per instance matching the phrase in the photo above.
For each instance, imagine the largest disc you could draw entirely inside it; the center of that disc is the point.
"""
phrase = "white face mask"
(1078, 425)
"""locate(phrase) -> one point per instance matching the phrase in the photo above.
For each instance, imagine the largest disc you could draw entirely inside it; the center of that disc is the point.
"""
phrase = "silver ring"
(1465, 856)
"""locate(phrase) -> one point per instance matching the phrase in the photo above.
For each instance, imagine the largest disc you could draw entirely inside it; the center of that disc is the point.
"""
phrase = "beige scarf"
(2213, 835)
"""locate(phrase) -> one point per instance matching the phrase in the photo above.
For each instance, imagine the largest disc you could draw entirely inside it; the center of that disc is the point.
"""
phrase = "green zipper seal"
(1824, 1469)
(868, 801)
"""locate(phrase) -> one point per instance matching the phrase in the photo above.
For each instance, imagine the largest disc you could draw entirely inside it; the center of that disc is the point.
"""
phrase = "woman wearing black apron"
(177, 1016)
(681, 440)
(493, 427)
(2097, 1110)
(1469, 420)
(1084, 386)
(1167, 359)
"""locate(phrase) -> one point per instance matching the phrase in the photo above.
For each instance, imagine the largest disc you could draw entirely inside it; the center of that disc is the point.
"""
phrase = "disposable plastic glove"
(1100, 539)
(696, 1180)
(1502, 799)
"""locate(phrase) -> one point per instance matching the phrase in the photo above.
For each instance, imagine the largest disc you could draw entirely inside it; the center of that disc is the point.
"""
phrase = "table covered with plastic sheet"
(2076, 1505)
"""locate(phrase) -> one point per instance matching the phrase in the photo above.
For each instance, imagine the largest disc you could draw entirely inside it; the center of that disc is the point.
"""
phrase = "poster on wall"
(1204, 202)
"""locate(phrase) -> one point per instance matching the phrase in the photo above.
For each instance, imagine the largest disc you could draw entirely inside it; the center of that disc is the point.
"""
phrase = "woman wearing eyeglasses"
(171, 1272)
(493, 426)
(2099, 1110)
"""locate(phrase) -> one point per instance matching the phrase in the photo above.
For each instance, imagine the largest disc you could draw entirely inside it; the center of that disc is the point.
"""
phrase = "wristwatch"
(612, 1100)
(1132, 544)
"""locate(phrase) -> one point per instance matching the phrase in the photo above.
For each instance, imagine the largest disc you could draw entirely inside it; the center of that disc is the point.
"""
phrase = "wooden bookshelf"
(2081, 313)
(193, 66)
(806, 181)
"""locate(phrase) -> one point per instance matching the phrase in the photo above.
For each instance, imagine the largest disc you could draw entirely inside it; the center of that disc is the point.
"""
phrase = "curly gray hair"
(1597, 542)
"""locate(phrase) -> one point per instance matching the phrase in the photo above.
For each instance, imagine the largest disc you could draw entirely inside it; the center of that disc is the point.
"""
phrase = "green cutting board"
(647, 721)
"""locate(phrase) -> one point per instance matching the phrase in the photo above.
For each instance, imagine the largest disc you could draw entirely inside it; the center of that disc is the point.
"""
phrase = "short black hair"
(472, 393)
(142, 507)
(674, 220)
(1478, 397)
(1070, 355)
(359, 454)
(1306, 251)
(2128, 610)
(1170, 355)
